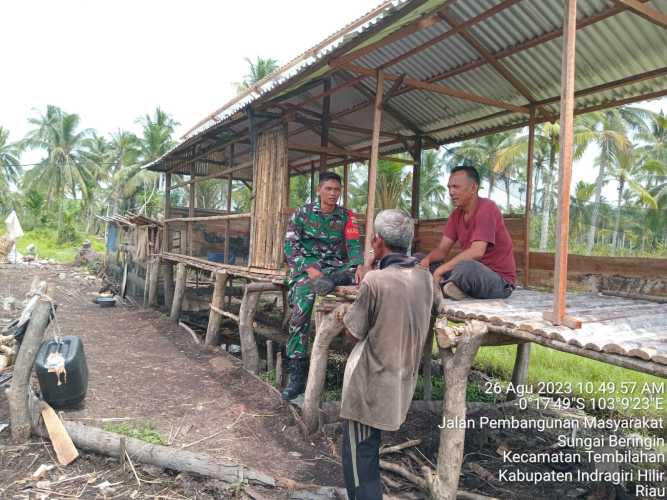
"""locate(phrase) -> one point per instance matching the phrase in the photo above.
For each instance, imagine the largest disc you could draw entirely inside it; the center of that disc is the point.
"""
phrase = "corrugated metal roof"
(609, 48)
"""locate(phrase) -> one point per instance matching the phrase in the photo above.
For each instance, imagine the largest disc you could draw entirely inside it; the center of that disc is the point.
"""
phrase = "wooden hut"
(408, 76)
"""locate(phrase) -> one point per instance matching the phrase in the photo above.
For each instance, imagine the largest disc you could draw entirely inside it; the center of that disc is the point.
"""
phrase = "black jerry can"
(62, 371)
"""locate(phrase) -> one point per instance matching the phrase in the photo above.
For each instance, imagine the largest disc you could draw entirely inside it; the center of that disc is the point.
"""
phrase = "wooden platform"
(616, 326)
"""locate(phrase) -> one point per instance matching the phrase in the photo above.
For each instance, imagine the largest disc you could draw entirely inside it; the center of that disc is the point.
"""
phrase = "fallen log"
(109, 443)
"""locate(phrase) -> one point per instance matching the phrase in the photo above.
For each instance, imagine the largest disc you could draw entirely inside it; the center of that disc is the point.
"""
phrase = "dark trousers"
(478, 281)
(361, 461)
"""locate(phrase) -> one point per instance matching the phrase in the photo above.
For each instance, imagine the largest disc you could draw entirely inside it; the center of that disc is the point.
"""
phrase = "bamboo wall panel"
(271, 199)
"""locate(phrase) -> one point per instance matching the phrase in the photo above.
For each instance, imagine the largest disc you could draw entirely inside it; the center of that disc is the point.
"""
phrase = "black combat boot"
(298, 373)
(326, 284)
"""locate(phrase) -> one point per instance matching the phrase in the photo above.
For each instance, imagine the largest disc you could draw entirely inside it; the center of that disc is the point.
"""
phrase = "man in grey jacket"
(389, 323)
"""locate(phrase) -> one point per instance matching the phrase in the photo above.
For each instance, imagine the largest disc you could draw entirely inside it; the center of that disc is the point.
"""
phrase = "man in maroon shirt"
(485, 267)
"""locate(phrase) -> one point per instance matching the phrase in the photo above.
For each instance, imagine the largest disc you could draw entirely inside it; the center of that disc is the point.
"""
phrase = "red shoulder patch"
(351, 228)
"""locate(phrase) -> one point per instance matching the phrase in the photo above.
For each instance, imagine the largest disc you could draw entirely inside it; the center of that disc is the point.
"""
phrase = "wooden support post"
(154, 280)
(373, 163)
(168, 283)
(520, 373)
(327, 326)
(557, 317)
(217, 302)
(286, 308)
(167, 212)
(312, 182)
(426, 363)
(191, 211)
(529, 197)
(416, 176)
(346, 180)
(147, 282)
(229, 205)
(19, 408)
(179, 292)
(269, 355)
(456, 364)
(324, 133)
(279, 369)
(249, 352)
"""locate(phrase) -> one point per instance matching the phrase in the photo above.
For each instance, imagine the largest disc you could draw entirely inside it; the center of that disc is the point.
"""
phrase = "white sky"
(111, 62)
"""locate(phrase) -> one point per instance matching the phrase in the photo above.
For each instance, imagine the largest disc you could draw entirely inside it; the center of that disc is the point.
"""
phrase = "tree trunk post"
(456, 366)
(269, 355)
(168, 279)
(19, 413)
(286, 308)
(520, 372)
(217, 302)
(279, 370)
(179, 292)
(426, 363)
(154, 280)
(249, 352)
(327, 326)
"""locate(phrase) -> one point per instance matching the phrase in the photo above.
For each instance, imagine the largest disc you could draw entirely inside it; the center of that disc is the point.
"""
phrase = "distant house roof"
(453, 69)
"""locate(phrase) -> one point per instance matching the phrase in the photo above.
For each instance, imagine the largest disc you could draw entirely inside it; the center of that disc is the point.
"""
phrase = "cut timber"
(456, 366)
(61, 441)
(217, 302)
(569, 321)
(327, 327)
(19, 412)
(109, 443)
(179, 292)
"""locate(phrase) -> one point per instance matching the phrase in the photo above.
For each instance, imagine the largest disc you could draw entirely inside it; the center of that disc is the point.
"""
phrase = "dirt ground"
(144, 369)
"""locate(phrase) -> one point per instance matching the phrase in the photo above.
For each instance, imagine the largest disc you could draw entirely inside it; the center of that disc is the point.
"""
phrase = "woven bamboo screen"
(271, 199)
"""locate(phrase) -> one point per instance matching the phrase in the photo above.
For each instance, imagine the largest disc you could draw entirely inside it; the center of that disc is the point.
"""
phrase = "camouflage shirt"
(319, 240)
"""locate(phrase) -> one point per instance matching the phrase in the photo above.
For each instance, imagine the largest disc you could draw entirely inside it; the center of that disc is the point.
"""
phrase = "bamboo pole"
(373, 164)
(167, 211)
(565, 169)
(529, 197)
(346, 180)
(168, 282)
(191, 211)
(153, 282)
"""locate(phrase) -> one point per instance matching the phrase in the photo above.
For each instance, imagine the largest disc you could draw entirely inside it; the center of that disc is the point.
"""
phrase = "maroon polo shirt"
(486, 224)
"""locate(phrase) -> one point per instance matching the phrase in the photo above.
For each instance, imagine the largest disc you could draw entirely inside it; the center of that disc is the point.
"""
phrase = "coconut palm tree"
(63, 171)
(432, 189)
(257, 71)
(10, 169)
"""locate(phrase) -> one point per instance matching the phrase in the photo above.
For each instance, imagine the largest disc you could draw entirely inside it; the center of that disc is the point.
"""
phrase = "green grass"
(144, 431)
(587, 378)
(45, 239)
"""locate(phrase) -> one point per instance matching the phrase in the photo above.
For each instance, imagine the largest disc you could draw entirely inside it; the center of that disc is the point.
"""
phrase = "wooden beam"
(324, 123)
(454, 21)
(529, 197)
(167, 210)
(333, 151)
(191, 210)
(438, 88)
(394, 88)
(346, 180)
(373, 163)
(230, 183)
(211, 218)
(416, 178)
(216, 175)
(648, 13)
(565, 167)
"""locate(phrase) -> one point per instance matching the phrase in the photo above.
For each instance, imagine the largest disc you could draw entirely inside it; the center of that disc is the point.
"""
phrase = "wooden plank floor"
(627, 327)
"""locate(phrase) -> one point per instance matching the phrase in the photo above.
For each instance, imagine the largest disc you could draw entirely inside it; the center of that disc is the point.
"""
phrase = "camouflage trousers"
(301, 298)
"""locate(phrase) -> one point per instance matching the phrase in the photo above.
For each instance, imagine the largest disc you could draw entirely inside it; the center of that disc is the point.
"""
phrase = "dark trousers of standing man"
(361, 461)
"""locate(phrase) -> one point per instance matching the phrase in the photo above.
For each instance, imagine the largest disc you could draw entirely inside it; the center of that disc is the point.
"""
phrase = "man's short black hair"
(329, 176)
(471, 172)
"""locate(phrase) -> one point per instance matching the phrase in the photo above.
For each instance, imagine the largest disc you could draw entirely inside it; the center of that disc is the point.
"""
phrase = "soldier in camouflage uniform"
(321, 248)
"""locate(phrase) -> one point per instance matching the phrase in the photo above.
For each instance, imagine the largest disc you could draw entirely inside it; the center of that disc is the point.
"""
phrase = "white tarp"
(14, 231)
